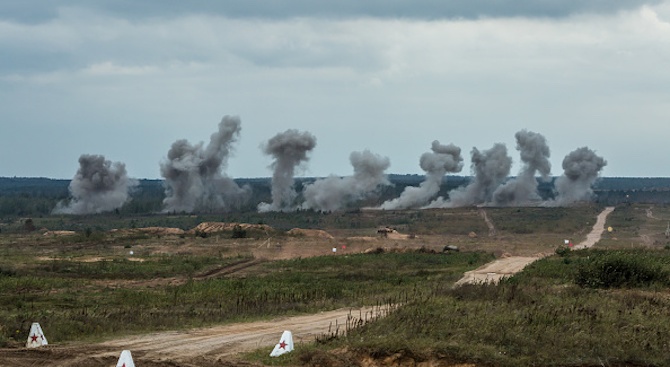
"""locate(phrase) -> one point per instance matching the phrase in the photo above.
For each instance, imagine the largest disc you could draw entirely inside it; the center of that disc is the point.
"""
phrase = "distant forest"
(26, 197)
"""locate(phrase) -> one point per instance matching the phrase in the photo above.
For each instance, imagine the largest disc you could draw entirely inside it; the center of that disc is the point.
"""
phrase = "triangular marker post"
(285, 344)
(125, 360)
(36, 337)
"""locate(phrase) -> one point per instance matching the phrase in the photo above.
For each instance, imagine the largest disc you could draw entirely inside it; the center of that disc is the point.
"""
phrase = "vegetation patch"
(79, 300)
(619, 269)
(540, 317)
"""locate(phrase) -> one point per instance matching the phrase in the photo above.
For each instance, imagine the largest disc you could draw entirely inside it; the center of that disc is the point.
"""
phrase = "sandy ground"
(508, 266)
(215, 346)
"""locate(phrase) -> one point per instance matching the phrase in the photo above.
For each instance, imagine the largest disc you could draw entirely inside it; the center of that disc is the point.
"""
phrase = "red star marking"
(34, 338)
(282, 345)
(124, 365)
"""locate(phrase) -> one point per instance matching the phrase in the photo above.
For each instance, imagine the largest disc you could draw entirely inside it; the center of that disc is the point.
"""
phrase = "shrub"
(562, 251)
(619, 269)
(239, 232)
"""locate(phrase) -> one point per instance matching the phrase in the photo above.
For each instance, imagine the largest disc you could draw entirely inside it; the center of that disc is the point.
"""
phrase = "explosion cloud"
(491, 168)
(334, 193)
(289, 149)
(194, 175)
(98, 186)
(522, 190)
(443, 159)
(581, 169)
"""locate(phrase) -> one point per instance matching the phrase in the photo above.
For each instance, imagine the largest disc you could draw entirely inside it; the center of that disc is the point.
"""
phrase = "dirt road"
(594, 236)
(489, 223)
(204, 347)
(496, 270)
(508, 266)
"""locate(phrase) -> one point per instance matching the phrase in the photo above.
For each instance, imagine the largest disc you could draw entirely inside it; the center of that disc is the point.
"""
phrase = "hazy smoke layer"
(289, 149)
(334, 193)
(98, 186)
(535, 157)
(443, 159)
(581, 169)
(491, 168)
(194, 176)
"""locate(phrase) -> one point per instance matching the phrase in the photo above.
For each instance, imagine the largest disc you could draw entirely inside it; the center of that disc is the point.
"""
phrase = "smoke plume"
(491, 168)
(581, 169)
(443, 159)
(194, 175)
(334, 192)
(98, 186)
(522, 190)
(289, 149)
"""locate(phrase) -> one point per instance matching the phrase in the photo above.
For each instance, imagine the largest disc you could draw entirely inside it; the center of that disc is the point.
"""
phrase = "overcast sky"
(125, 79)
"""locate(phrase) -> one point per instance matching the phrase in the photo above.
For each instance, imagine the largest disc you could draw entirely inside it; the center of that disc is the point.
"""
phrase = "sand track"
(508, 266)
(203, 347)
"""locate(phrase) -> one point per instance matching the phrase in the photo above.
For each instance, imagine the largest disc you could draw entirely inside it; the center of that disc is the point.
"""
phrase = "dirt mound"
(309, 233)
(362, 238)
(160, 230)
(59, 233)
(399, 236)
(213, 227)
(400, 250)
(392, 233)
(156, 231)
(405, 358)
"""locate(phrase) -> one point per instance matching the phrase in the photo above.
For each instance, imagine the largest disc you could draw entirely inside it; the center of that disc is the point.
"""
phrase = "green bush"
(562, 251)
(618, 270)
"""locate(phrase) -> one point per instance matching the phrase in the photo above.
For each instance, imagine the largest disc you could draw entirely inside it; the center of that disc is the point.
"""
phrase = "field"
(111, 278)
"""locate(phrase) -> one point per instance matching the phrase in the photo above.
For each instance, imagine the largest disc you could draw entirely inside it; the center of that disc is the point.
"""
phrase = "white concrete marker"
(125, 360)
(36, 337)
(285, 344)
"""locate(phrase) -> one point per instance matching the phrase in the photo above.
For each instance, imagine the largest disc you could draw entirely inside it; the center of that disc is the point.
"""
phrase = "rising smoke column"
(491, 168)
(535, 156)
(194, 176)
(581, 169)
(289, 149)
(443, 159)
(98, 186)
(334, 192)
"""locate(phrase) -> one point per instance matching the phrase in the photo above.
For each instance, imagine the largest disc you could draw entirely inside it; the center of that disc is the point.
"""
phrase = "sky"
(125, 79)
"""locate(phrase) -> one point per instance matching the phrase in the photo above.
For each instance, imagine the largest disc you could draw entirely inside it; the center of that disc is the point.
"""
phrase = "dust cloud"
(98, 186)
(289, 149)
(194, 175)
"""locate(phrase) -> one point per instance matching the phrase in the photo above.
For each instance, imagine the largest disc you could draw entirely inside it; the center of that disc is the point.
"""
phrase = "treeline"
(30, 196)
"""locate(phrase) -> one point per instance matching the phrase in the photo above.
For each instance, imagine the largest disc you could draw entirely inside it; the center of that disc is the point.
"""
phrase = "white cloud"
(390, 85)
(109, 68)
